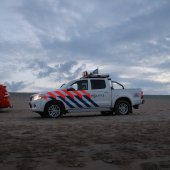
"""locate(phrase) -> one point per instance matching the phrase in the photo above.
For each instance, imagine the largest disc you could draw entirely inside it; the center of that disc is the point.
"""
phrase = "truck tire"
(53, 110)
(122, 107)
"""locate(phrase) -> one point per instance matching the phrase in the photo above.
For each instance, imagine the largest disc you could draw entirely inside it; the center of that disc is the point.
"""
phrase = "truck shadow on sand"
(82, 116)
(70, 117)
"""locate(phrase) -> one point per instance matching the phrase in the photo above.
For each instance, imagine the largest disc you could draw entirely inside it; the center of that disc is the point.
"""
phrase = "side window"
(80, 85)
(75, 86)
(98, 84)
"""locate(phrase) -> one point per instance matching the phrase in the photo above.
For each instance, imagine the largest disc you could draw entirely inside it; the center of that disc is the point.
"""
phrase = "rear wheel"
(53, 110)
(122, 107)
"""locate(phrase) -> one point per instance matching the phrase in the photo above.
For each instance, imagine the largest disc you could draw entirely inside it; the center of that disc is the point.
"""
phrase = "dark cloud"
(16, 86)
(63, 71)
(165, 65)
(124, 36)
(144, 26)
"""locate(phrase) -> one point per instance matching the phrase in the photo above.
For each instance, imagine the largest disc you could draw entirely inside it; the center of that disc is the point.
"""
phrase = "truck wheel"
(122, 107)
(53, 110)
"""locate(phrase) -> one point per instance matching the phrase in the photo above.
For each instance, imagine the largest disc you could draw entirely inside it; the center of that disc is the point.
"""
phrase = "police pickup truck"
(92, 92)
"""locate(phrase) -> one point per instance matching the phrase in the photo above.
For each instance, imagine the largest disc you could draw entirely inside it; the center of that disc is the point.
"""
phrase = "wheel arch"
(125, 99)
(57, 102)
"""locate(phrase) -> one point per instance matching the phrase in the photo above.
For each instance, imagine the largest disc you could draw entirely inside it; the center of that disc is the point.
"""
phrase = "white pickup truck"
(92, 92)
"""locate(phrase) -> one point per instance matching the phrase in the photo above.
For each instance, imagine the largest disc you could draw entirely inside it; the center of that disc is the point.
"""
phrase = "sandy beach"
(139, 141)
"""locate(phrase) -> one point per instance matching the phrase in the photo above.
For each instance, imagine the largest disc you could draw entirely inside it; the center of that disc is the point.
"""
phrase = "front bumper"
(36, 105)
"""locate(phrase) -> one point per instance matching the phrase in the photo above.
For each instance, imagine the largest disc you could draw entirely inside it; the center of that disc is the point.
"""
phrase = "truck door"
(79, 96)
(100, 92)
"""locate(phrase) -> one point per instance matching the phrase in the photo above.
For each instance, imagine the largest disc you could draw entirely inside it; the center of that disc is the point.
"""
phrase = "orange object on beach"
(4, 97)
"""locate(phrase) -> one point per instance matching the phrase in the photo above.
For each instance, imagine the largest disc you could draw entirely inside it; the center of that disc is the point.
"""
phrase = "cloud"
(151, 86)
(63, 71)
(164, 65)
(50, 40)
(16, 86)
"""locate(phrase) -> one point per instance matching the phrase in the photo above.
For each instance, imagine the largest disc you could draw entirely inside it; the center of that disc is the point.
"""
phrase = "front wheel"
(53, 110)
(122, 107)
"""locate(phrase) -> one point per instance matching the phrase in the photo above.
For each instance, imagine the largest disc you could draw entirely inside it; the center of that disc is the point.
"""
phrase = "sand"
(86, 140)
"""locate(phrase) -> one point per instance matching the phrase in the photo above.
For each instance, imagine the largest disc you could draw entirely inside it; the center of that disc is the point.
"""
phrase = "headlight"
(37, 97)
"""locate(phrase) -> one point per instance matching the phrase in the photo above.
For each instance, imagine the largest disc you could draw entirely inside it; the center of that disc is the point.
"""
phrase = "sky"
(45, 43)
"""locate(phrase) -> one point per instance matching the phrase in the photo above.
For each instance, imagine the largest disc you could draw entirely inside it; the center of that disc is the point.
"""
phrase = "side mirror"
(70, 89)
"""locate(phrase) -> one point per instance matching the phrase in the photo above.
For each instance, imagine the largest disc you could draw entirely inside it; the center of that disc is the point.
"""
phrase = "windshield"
(65, 86)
